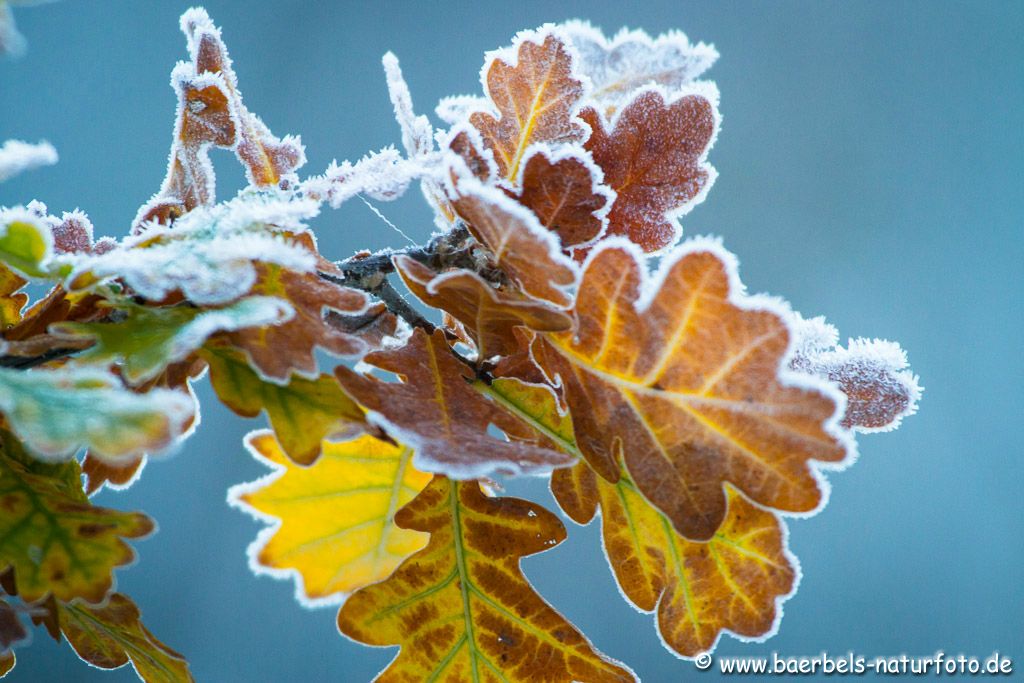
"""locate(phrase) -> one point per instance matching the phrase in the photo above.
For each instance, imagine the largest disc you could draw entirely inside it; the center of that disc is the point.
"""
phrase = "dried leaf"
(12, 299)
(333, 523)
(530, 254)
(535, 89)
(687, 371)
(873, 373)
(654, 159)
(461, 608)
(7, 659)
(12, 631)
(110, 636)
(57, 412)
(489, 315)
(565, 191)
(53, 538)
(434, 410)
(116, 475)
(632, 59)
(145, 340)
(301, 412)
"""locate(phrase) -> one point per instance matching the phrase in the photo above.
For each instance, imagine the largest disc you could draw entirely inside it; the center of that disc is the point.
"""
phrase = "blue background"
(871, 170)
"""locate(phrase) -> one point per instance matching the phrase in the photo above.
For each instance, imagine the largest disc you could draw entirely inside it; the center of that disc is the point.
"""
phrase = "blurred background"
(870, 161)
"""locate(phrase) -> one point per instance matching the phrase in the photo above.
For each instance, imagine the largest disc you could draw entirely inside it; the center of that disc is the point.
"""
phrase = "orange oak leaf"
(302, 412)
(461, 608)
(333, 523)
(535, 90)
(654, 159)
(434, 410)
(735, 582)
(488, 315)
(12, 300)
(276, 351)
(683, 376)
(522, 247)
(119, 474)
(565, 191)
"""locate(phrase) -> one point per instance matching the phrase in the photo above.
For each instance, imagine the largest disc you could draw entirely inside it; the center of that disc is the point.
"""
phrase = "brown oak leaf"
(435, 411)
(488, 315)
(654, 159)
(461, 608)
(535, 99)
(681, 376)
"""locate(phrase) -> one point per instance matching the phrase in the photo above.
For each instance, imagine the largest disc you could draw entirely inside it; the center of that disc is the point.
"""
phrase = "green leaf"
(53, 538)
(25, 242)
(57, 412)
(148, 339)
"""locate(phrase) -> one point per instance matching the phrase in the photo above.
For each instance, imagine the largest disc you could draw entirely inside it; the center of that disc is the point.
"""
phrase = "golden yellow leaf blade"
(333, 522)
(461, 608)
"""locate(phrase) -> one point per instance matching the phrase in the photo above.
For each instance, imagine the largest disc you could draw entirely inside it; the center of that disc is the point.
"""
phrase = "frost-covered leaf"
(211, 112)
(145, 340)
(52, 537)
(302, 412)
(461, 608)
(488, 315)
(417, 133)
(278, 351)
(12, 630)
(682, 375)
(383, 175)
(112, 635)
(734, 583)
(12, 43)
(653, 154)
(333, 523)
(873, 373)
(209, 255)
(57, 412)
(17, 156)
(535, 91)
(116, 475)
(434, 410)
(565, 191)
(632, 59)
(26, 243)
(522, 247)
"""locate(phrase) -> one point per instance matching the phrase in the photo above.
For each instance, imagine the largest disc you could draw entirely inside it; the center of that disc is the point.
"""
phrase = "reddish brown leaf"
(12, 630)
(535, 98)
(434, 410)
(566, 193)
(654, 160)
(489, 315)
(461, 608)
(276, 351)
(117, 474)
(684, 382)
(522, 247)
(12, 300)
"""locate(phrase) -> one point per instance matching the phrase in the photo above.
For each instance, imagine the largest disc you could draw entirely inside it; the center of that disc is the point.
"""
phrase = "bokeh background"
(870, 167)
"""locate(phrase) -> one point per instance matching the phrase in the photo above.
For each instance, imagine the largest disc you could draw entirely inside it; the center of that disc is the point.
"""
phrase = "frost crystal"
(383, 175)
(17, 156)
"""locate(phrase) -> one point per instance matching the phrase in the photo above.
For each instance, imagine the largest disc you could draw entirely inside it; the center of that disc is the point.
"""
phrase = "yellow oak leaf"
(683, 377)
(461, 608)
(333, 522)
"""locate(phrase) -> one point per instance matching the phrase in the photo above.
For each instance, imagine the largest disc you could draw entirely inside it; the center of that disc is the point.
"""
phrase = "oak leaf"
(52, 537)
(682, 376)
(333, 523)
(302, 412)
(116, 475)
(654, 158)
(278, 351)
(461, 608)
(530, 254)
(565, 190)
(26, 243)
(112, 635)
(488, 315)
(12, 299)
(434, 410)
(535, 89)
